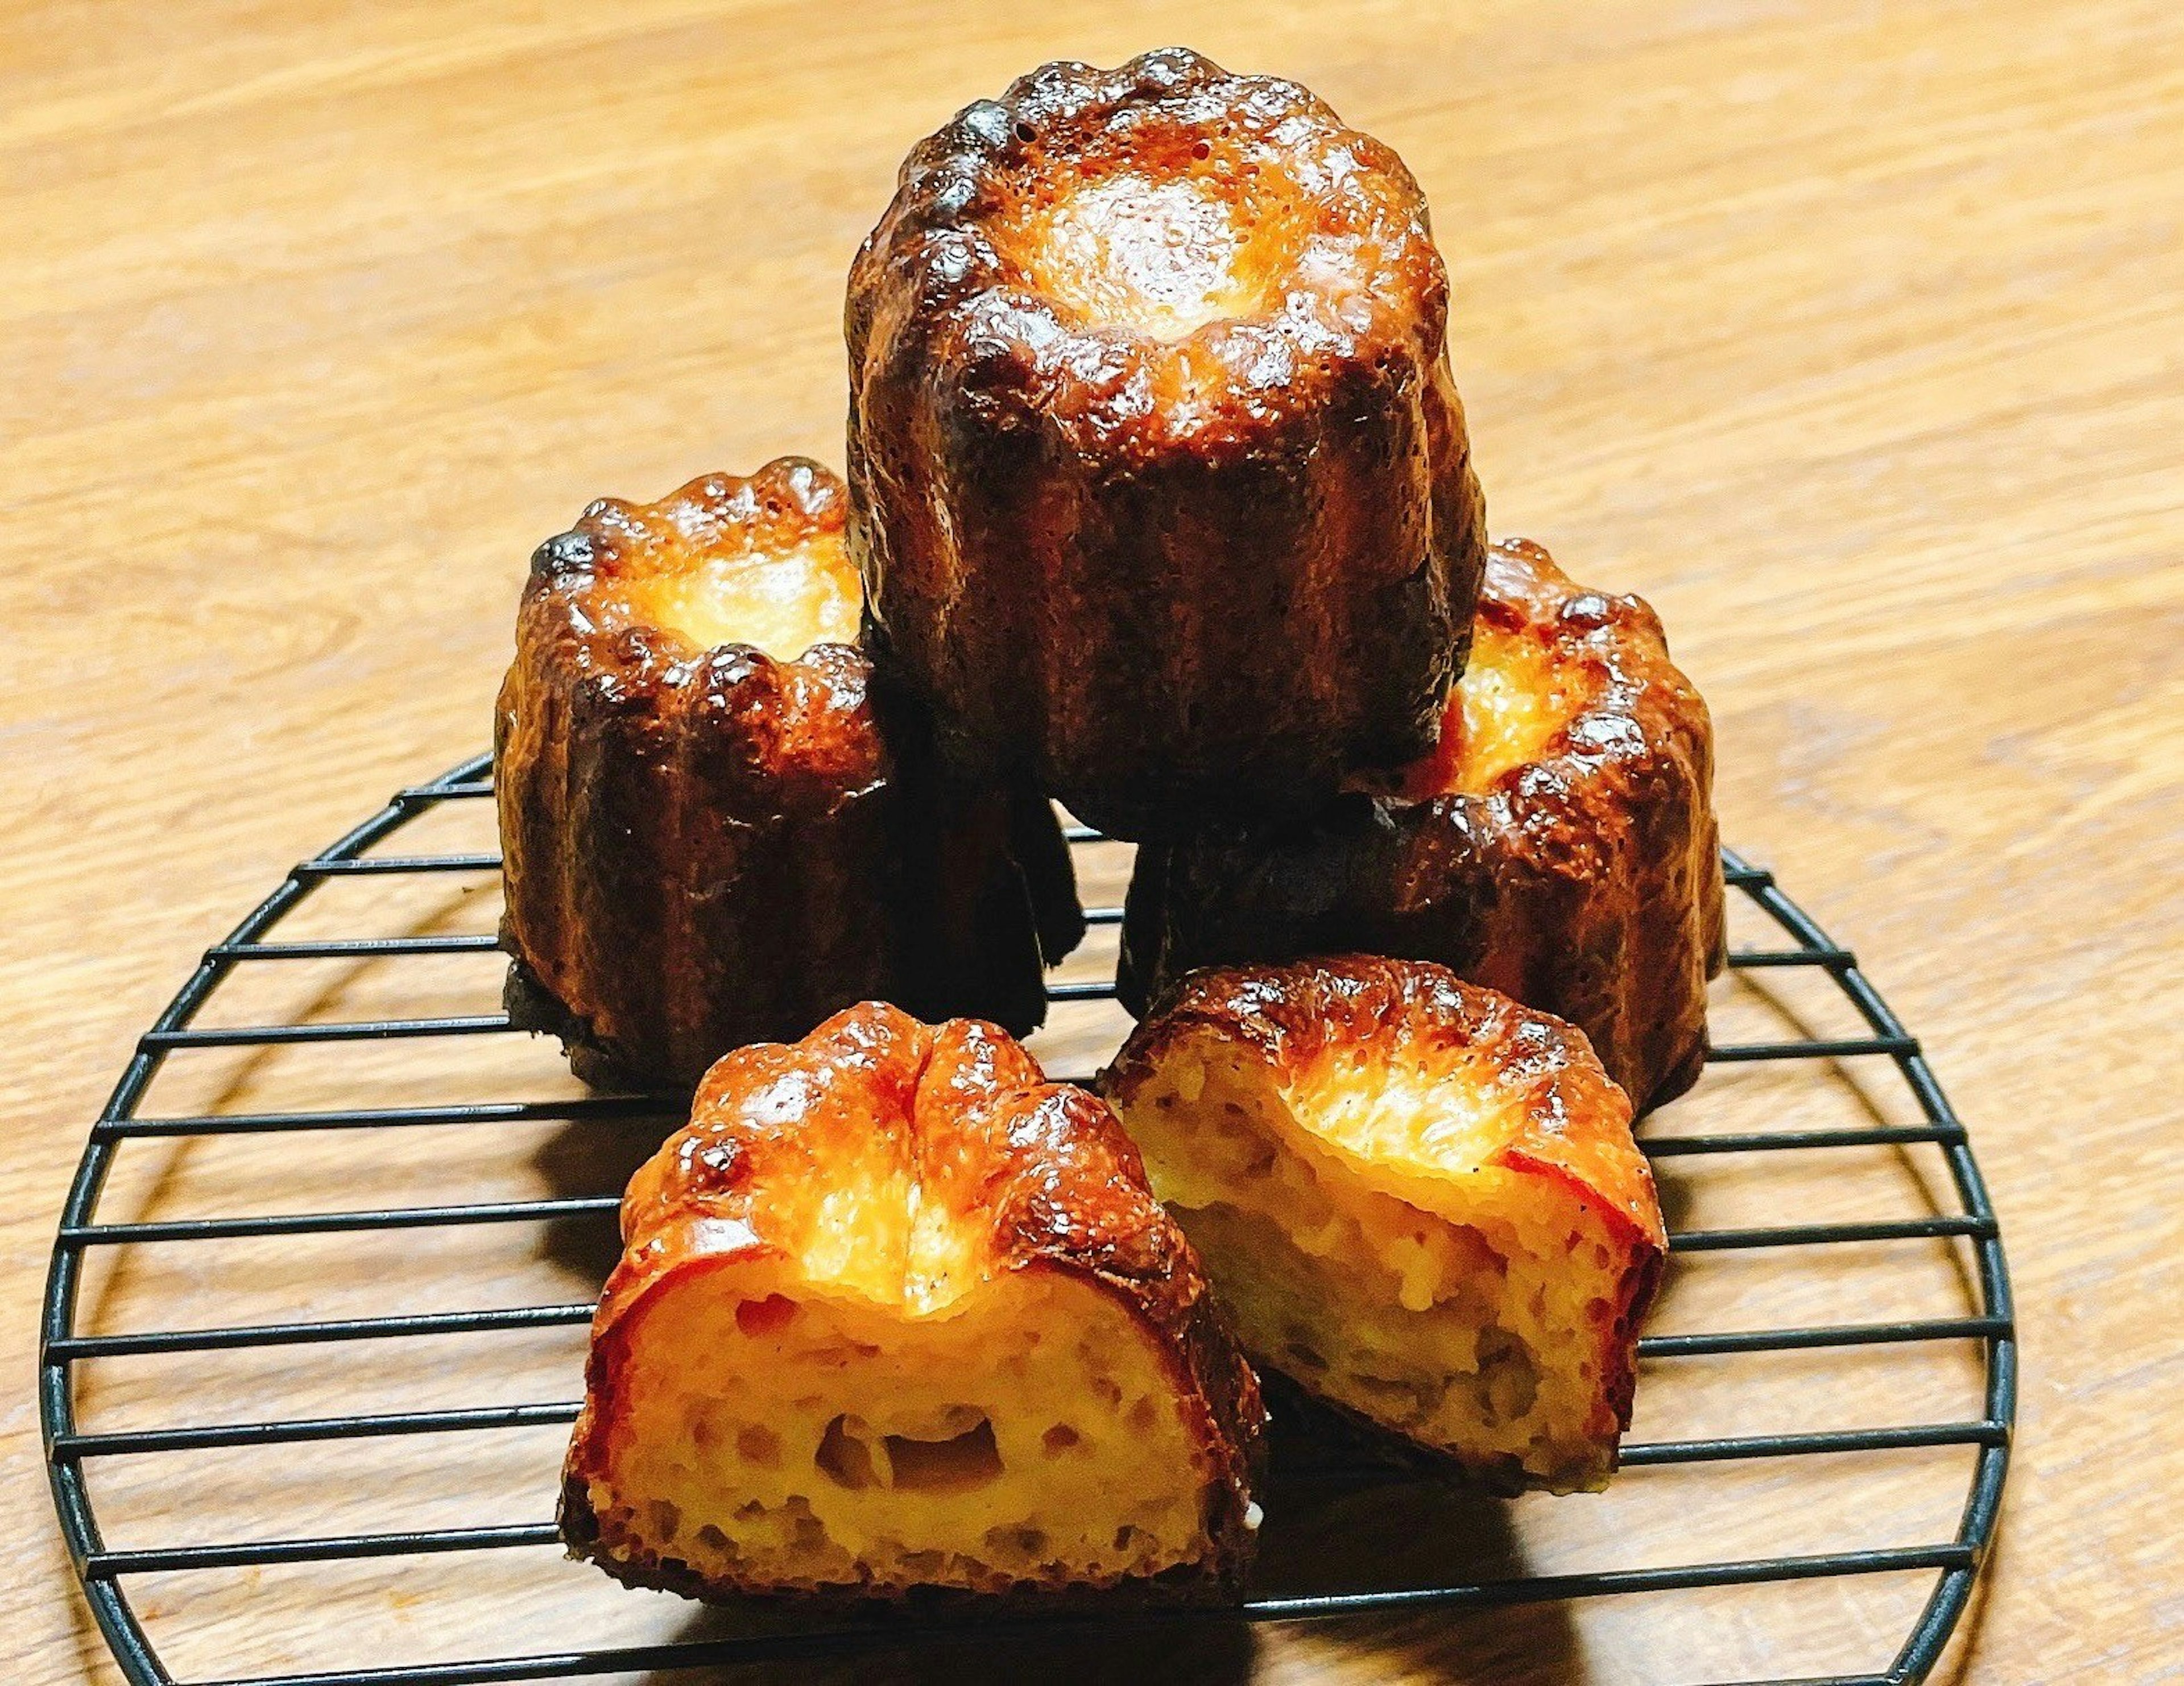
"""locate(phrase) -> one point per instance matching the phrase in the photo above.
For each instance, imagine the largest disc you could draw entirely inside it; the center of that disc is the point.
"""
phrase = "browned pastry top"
(759, 562)
(1565, 685)
(1166, 251)
(731, 601)
(872, 1105)
(1522, 1089)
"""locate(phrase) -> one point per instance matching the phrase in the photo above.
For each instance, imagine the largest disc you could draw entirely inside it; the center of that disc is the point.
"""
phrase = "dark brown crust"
(1186, 1585)
(1586, 883)
(1162, 609)
(1045, 1168)
(703, 848)
(1576, 1125)
(1309, 1433)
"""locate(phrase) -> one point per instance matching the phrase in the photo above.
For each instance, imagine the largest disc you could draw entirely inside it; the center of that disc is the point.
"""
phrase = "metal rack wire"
(104, 1570)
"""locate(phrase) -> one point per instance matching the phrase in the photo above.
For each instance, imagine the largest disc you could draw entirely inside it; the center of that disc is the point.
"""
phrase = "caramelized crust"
(1560, 847)
(707, 841)
(1162, 485)
(1421, 1201)
(895, 1312)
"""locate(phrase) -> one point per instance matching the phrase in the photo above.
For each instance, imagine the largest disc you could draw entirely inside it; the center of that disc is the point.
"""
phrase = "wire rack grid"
(106, 1572)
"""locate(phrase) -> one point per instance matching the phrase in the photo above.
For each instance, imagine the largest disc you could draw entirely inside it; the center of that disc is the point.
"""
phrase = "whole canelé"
(1160, 486)
(710, 835)
(1560, 847)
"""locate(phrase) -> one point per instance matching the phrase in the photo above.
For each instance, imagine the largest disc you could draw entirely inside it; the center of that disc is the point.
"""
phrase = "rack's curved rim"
(99, 1570)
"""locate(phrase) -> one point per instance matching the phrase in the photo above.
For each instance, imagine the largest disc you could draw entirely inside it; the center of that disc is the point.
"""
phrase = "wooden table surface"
(1848, 333)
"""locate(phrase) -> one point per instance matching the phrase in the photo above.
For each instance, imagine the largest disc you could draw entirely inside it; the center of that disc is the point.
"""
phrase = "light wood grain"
(1848, 333)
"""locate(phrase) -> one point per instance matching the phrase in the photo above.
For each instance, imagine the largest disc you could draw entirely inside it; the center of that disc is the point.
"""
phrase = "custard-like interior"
(1164, 244)
(1514, 699)
(783, 600)
(1366, 1245)
(782, 1434)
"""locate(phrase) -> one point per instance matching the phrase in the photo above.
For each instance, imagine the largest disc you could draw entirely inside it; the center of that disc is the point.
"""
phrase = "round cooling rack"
(315, 1329)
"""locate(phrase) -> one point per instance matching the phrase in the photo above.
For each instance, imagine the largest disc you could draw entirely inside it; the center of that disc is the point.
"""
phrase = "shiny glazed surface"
(1162, 484)
(707, 843)
(913, 1172)
(1559, 845)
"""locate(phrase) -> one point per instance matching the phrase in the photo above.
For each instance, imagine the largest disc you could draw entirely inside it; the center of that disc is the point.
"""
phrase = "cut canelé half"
(1420, 1201)
(894, 1314)
(715, 831)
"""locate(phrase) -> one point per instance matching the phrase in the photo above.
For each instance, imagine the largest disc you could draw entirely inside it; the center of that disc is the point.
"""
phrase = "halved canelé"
(1420, 1201)
(713, 831)
(1559, 847)
(895, 1312)
(1161, 481)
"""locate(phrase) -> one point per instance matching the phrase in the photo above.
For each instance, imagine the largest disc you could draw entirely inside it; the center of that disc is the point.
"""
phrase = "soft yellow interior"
(1163, 253)
(1514, 697)
(782, 601)
(1365, 1247)
(783, 1435)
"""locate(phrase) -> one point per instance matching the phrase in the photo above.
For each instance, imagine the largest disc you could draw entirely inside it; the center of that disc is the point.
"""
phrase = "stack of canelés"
(1159, 504)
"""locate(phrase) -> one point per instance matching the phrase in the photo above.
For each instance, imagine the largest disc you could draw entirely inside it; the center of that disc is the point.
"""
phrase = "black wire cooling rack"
(108, 1573)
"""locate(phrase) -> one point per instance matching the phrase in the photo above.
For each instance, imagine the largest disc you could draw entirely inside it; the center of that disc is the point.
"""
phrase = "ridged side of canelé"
(705, 847)
(1045, 1174)
(987, 879)
(1585, 882)
(1168, 578)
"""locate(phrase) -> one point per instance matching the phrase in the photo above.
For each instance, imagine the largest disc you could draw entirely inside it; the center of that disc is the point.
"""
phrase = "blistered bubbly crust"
(1421, 1200)
(1560, 844)
(710, 832)
(894, 1313)
(1163, 335)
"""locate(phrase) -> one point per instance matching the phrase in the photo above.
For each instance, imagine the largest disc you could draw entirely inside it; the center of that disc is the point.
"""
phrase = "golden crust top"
(1522, 1089)
(1565, 683)
(762, 561)
(904, 1161)
(622, 613)
(1159, 252)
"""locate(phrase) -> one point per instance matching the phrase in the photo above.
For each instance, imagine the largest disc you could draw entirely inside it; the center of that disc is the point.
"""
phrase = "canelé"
(894, 1313)
(713, 832)
(1559, 847)
(1420, 1201)
(1161, 486)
